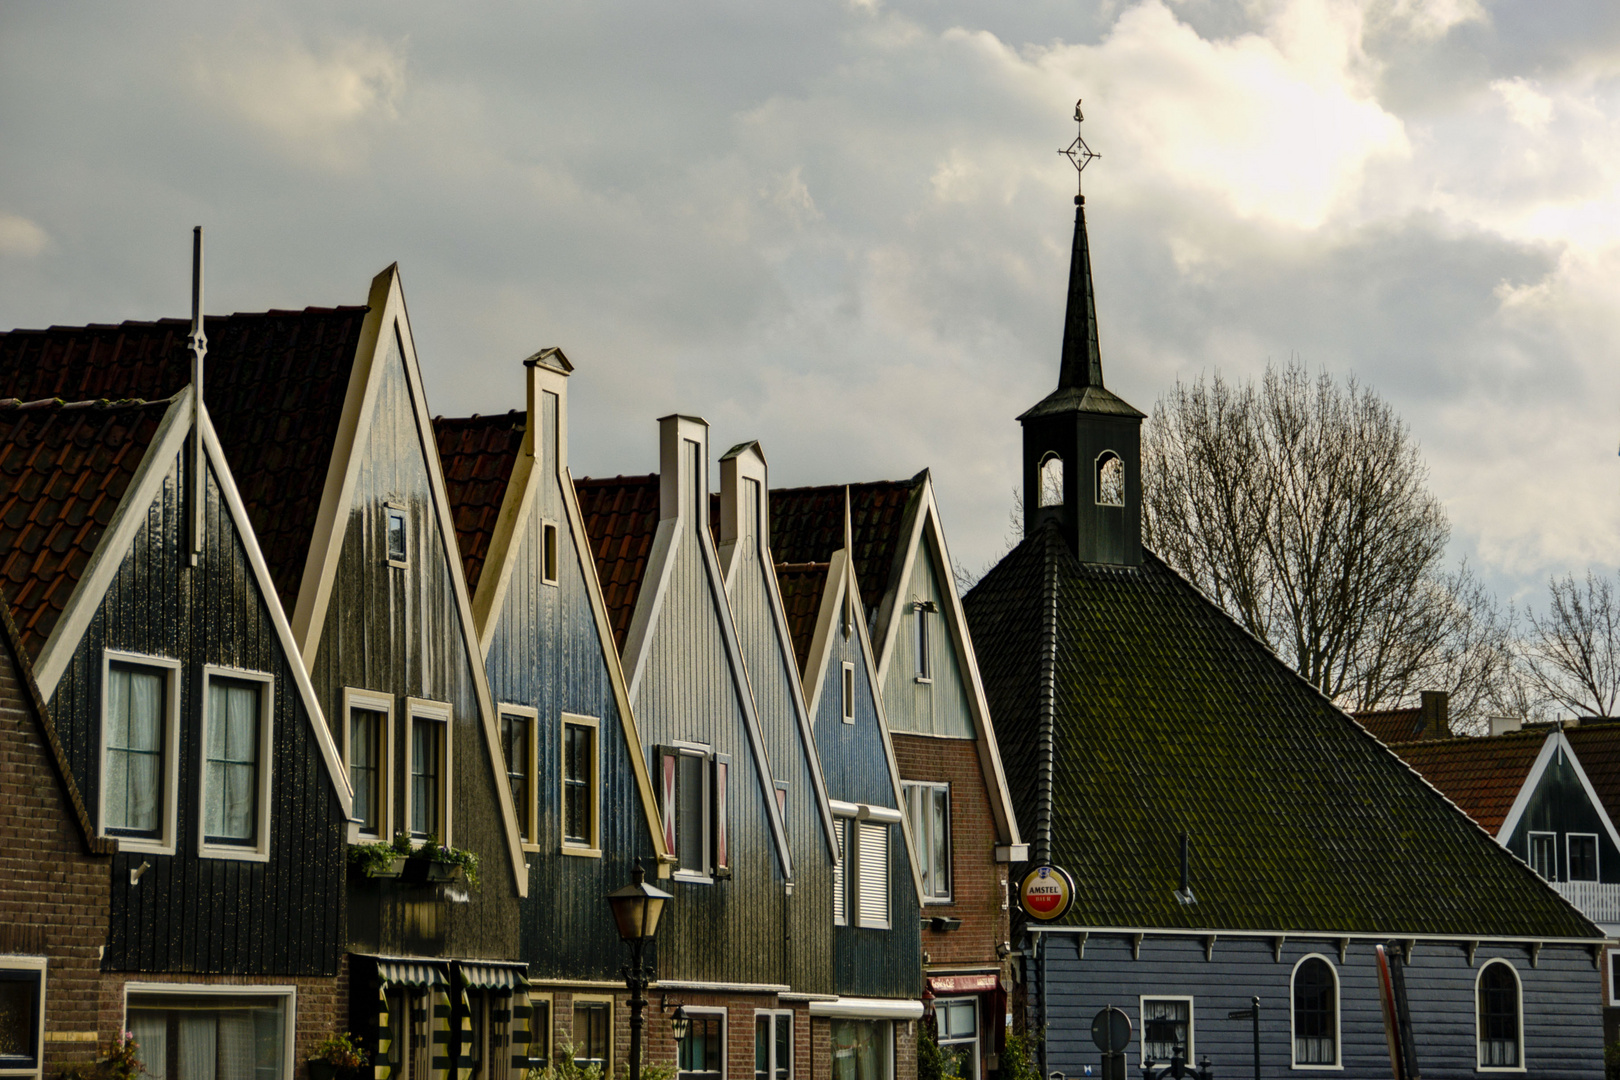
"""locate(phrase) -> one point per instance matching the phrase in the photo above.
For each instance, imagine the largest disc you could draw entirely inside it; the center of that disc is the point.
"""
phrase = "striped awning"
(409, 973)
(489, 977)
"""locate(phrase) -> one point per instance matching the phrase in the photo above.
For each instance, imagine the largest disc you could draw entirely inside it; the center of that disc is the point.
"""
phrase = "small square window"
(1583, 856)
(398, 545)
(548, 553)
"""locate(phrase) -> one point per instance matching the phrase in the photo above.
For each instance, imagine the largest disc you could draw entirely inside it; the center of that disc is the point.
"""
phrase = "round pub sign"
(1046, 893)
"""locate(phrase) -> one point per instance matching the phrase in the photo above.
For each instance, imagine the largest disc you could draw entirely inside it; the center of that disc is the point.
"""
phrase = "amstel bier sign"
(1046, 893)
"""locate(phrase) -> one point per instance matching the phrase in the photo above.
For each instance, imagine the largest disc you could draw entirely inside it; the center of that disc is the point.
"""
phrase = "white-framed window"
(22, 1014)
(1543, 847)
(781, 787)
(1581, 856)
(702, 1054)
(187, 1032)
(581, 786)
(518, 753)
(862, 1049)
(1314, 1013)
(593, 1032)
(427, 787)
(696, 795)
(548, 553)
(1110, 479)
(928, 808)
(847, 685)
(140, 751)
(1614, 975)
(922, 638)
(368, 751)
(1499, 1012)
(956, 1024)
(1167, 1026)
(773, 1044)
(237, 729)
(397, 534)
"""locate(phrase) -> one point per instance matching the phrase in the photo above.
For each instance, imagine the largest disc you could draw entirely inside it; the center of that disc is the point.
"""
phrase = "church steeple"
(1082, 445)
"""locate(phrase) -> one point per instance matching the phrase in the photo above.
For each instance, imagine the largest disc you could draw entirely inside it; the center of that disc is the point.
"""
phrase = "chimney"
(547, 434)
(683, 467)
(1436, 709)
(1502, 725)
(743, 500)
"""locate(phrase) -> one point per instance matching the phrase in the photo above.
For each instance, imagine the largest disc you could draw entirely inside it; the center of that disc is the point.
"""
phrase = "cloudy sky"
(841, 227)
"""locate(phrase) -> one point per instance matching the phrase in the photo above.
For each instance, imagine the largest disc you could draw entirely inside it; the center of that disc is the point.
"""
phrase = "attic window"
(1051, 481)
(849, 692)
(1110, 479)
(922, 639)
(548, 553)
(398, 549)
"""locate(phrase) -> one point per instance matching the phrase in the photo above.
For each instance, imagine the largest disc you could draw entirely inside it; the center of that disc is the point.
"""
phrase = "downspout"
(1040, 968)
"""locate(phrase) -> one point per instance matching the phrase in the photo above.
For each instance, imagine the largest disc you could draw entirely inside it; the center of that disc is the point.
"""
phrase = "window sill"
(530, 849)
(137, 845)
(582, 852)
(1317, 1068)
(397, 565)
(693, 876)
(939, 901)
(228, 852)
(925, 679)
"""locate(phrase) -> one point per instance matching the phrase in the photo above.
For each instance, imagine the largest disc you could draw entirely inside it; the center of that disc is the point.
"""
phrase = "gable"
(1559, 802)
(938, 706)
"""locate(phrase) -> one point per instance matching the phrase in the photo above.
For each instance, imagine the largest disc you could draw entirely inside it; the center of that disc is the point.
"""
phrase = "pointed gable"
(621, 515)
(478, 454)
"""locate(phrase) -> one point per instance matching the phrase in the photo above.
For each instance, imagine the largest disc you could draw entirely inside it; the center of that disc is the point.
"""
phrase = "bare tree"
(1572, 652)
(1301, 507)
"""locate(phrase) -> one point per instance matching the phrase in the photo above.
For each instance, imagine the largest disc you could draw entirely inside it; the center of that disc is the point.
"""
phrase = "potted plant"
(381, 860)
(336, 1056)
(434, 862)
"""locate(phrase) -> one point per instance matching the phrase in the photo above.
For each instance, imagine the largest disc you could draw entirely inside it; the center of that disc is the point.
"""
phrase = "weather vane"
(1078, 152)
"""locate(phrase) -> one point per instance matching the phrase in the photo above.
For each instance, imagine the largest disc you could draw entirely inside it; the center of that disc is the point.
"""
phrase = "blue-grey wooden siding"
(939, 707)
(869, 963)
(731, 930)
(545, 653)
(810, 951)
(1559, 804)
(1563, 1031)
(203, 915)
(398, 631)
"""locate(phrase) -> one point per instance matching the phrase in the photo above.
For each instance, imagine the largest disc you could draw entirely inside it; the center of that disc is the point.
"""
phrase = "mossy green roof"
(1167, 716)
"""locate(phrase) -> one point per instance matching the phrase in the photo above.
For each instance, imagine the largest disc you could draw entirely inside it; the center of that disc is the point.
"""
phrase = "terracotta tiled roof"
(802, 585)
(1393, 725)
(63, 470)
(807, 525)
(478, 453)
(1597, 746)
(275, 384)
(1482, 776)
(621, 517)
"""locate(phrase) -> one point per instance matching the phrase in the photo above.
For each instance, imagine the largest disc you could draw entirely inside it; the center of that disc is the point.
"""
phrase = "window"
(696, 794)
(848, 683)
(862, 1050)
(1614, 976)
(1167, 1028)
(1544, 854)
(1316, 1013)
(540, 1030)
(928, 808)
(395, 525)
(234, 1035)
(408, 1036)
(22, 1014)
(781, 798)
(427, 804)
(548, 553)
(922, 638)
(580, 812)
(872, 875)
(700, 480)
(1500, 1038)
(368, 740)
(840, 878)
(517, 748)
(957, 1022)
(141, 753)
(474, 1040)
(773, 1045)
(1583, 856)
(593, 1030)
(236, 765)
(1051, 481)
(701, 1055)
(1110, 479)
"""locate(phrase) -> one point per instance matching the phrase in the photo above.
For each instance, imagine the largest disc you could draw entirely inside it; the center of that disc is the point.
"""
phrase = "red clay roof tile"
(478, 454)
(802, 586)
(621, 518)
(807, 525)
(1482, 776)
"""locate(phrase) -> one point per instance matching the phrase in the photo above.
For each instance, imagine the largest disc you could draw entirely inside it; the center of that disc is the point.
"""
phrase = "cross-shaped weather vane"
(1078, 152)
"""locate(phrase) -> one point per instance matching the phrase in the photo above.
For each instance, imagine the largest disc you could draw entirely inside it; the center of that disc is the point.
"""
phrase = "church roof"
(1167, 717)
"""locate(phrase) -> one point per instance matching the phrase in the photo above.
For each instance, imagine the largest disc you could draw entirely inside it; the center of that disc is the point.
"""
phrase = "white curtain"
(233, 758)
(134, 748)
(151, 1031)
(199, 1044)
(235, 1045)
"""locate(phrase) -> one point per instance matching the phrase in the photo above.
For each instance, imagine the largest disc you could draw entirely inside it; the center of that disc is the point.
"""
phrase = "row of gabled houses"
(254, 635)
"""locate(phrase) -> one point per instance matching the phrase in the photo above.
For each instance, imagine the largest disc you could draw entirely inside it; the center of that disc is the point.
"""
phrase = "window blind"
(872, 865)
(840, 908)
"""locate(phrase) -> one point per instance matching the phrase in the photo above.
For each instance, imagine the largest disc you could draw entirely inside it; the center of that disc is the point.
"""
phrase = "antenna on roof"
(199, 349)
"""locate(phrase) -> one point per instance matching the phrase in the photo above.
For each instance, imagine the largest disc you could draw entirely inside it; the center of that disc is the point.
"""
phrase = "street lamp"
(636, 909)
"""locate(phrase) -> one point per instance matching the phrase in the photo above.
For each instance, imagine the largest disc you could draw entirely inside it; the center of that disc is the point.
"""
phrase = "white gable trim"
(108, 557)
(505, 541)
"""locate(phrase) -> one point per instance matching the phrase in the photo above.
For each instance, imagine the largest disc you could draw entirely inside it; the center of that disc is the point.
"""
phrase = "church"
(1230, 832)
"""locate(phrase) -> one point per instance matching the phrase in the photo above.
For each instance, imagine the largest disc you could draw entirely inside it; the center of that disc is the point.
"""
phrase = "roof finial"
(1079, 153)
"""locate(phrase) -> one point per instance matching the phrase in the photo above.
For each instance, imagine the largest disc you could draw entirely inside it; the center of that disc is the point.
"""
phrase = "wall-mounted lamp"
(679, 1024)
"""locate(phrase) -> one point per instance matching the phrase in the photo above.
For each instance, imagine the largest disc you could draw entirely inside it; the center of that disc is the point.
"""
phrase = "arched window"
(1316, 1013)
(1501, 1035)
(1051, 481)
(1110, 479)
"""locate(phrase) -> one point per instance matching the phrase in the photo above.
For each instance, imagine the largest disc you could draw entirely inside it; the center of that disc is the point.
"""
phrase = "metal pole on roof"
(199, 349)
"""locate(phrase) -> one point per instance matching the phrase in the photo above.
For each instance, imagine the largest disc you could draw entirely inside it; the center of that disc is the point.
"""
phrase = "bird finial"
(1078, 152)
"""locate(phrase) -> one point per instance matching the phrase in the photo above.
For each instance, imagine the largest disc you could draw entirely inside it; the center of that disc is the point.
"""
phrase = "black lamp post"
(636, 909)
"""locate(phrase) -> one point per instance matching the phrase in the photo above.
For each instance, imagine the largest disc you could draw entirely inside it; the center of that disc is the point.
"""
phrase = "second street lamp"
(636, 909)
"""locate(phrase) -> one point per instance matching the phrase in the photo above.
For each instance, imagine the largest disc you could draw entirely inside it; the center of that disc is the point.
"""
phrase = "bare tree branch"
(1572, 655)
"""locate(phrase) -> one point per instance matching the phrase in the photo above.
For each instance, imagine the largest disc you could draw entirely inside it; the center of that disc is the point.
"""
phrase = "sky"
(841, 228)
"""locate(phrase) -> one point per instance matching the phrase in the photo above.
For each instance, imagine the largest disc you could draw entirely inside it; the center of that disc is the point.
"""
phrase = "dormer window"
(923, 637)
(1051, 481)
(395, 523)
(1110, 479)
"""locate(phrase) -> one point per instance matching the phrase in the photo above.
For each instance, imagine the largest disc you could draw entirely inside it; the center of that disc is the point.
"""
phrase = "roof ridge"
(185, 321)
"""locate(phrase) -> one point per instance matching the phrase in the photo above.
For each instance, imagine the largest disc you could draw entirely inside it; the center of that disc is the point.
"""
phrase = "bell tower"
(1083, 445)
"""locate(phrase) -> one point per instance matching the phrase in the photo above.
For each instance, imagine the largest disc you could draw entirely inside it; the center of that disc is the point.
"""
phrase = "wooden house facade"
(1229, 831)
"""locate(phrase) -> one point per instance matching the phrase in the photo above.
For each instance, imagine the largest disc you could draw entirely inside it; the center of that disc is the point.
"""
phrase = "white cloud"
(19, 236)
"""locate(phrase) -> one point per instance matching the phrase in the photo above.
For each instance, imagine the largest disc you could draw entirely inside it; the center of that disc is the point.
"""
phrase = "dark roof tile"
(802, 585)
(621, 518)
(807, 525)
(478, 454)
(1482, 776)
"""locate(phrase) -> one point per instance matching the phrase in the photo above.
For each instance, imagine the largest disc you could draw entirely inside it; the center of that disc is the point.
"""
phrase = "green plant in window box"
(435, 862)
(379, 860)
(337, 1058)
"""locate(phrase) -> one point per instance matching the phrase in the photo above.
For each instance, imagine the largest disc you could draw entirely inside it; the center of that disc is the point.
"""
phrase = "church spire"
(1082, 356)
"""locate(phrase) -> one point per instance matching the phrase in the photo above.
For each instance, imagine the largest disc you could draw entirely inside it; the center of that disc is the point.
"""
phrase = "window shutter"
(722, 772)
(840, 913)
(669, 802)
(872, 865)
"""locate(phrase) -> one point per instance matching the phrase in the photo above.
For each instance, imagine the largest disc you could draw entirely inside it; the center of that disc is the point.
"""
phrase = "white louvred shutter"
(873, 866)
(840, 911)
